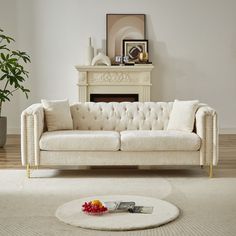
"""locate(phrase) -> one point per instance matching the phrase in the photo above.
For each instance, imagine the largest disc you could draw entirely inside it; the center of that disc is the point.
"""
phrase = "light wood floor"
(10, 154)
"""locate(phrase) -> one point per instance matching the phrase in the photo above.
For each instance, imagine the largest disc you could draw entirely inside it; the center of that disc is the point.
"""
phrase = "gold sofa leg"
(210, 170)
(28, 170)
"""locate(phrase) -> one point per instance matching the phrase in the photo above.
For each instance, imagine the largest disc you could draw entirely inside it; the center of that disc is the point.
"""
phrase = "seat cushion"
(78, 140)
(159, 140)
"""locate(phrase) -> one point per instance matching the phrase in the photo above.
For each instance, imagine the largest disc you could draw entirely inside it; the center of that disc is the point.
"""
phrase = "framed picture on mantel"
(120, 27)
(133, 48)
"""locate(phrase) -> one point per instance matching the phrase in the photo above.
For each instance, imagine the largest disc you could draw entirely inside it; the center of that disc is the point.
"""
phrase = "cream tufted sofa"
(119, 134)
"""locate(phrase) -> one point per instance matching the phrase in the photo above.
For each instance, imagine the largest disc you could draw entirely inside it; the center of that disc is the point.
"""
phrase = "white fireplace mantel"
(114, 80)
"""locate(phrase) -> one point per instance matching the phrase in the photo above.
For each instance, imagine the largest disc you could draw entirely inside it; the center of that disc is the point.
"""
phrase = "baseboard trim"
(228, 131)
(13, 130)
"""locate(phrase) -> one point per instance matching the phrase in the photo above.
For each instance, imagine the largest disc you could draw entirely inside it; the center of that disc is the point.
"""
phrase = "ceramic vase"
(89, 53)
(101, 59)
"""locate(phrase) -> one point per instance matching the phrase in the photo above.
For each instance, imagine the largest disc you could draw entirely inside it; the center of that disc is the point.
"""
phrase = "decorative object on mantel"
(118, 60)
(133, 49)
(12, 76)
(101, 59)
(143, 57)
(89, 53)
(123, 26)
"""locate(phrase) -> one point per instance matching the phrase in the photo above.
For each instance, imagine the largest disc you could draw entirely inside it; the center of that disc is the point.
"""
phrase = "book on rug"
(128, 206)
(141, 209)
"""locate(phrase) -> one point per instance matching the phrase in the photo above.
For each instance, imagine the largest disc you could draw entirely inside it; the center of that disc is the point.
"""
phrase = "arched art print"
(123, 27)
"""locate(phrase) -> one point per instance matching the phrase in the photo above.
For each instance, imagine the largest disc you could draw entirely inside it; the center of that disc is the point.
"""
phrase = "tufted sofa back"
(121, 116)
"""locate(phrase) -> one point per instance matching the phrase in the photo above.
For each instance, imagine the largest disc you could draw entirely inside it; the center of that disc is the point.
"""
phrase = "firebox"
(114, 97)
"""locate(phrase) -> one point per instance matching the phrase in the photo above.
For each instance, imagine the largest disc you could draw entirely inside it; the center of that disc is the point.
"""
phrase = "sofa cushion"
(77, 140)
(182, 115)
(58, 115)
(159, 140)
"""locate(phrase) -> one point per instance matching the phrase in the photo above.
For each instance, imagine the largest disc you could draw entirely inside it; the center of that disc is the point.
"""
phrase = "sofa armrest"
(32, 127)
(207, 129)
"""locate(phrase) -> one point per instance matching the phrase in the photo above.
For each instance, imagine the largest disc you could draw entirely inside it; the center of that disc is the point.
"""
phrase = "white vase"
(89, 53)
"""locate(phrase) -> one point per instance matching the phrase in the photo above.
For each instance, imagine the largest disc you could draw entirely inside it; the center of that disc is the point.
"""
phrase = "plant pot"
(3, 131)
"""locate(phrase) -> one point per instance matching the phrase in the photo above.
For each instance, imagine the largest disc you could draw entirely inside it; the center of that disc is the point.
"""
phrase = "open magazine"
(117, 206)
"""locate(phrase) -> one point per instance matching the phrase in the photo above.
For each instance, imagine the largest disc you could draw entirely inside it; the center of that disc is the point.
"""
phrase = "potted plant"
(12, 77)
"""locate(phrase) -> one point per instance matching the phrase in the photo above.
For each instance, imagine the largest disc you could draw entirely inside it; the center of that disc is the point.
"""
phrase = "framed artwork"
(121, 27)
(132, 48)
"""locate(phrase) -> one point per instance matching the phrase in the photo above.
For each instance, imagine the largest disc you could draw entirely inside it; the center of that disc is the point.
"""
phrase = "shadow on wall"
(172, 77)
(163, 75)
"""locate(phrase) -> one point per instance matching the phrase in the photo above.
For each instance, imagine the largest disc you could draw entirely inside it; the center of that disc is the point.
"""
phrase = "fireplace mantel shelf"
(114, 80)
(82, 68)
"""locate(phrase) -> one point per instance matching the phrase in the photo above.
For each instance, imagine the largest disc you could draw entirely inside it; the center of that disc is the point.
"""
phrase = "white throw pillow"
(58, 116)
(182, 115)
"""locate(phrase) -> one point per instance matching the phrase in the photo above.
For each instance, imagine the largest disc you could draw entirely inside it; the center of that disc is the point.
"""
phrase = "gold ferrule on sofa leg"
(211, 170)
(28, 170)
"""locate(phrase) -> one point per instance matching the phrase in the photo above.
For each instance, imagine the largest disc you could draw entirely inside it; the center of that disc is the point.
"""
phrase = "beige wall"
(9, 22)
(192, 45)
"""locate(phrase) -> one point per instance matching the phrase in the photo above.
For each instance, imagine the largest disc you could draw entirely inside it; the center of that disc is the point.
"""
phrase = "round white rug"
(163, 212)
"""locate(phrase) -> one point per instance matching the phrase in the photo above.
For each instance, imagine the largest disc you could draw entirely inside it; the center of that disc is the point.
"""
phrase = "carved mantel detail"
(82, 78)
(110, 77)
(114, 80)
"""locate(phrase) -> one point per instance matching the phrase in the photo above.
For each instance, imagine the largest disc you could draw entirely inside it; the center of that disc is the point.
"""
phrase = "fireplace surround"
(114, 83)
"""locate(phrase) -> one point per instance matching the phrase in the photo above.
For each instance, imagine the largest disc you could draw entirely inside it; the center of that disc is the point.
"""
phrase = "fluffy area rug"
(163, 213)
(27, 206)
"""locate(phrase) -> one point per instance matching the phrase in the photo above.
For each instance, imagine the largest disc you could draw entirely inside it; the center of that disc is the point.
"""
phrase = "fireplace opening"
(114, 97)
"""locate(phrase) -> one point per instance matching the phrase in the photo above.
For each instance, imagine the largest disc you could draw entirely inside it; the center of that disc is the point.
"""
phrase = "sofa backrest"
(121, 116)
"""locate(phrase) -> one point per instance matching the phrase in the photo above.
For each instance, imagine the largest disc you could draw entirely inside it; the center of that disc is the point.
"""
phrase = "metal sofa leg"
(29, 168)
(28, 171)
(210, 170)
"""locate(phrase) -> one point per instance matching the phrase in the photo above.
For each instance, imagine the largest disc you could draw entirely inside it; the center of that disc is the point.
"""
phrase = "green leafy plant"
(12, 72)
